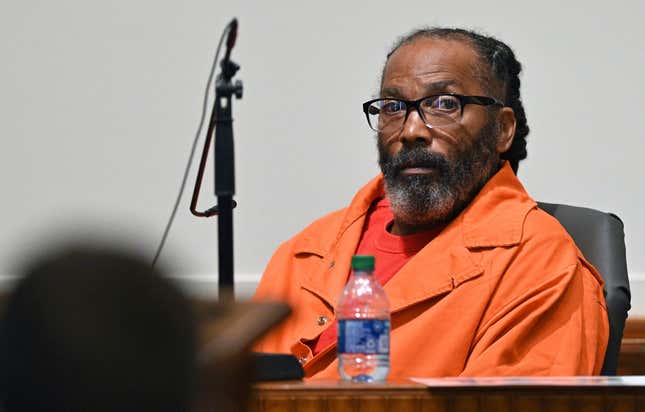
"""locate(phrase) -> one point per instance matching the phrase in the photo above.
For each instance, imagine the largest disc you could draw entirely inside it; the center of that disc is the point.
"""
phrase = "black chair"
(601, 239)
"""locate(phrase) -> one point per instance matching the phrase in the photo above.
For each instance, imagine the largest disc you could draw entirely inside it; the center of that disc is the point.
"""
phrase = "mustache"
(417, 156)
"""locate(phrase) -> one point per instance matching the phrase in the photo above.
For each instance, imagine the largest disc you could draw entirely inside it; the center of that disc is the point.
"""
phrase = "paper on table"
(534, 381)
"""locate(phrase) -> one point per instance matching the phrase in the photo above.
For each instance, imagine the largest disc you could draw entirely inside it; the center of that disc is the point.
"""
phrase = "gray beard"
(438, 198)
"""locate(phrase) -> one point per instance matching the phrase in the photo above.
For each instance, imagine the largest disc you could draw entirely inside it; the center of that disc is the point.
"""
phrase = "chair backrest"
(601, 239)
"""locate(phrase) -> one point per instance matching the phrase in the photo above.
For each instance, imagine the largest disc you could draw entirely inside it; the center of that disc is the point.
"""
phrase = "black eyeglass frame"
(410, 104)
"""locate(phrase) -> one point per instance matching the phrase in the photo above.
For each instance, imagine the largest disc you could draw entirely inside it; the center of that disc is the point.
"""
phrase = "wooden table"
(403, 396)
(631, 360)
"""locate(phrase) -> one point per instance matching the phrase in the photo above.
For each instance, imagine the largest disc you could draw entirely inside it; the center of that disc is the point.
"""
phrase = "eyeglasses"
(387, 116)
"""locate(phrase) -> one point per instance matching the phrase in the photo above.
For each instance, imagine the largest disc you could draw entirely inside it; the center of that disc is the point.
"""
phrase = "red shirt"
(390, 253)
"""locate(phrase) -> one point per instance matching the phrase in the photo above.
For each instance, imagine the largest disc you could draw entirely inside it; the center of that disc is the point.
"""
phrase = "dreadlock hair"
(501, 79)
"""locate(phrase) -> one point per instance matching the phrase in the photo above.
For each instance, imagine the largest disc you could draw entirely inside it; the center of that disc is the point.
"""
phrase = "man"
(480, 281)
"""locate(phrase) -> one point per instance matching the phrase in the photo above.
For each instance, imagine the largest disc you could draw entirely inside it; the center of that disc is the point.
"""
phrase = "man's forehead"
(444, 60)
(430, 86)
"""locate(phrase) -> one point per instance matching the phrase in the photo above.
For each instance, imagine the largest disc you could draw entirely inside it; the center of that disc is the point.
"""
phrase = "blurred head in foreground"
(90, 329)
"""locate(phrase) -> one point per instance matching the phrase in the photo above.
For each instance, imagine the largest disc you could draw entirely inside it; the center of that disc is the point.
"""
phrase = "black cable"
(192, 150)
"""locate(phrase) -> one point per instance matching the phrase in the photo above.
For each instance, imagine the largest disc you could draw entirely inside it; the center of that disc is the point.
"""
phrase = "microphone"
(230, 39)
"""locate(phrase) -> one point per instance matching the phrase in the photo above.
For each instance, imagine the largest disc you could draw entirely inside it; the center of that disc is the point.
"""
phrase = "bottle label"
(364, 336)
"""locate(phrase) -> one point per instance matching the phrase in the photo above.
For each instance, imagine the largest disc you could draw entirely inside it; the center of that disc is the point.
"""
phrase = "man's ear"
(507, 122)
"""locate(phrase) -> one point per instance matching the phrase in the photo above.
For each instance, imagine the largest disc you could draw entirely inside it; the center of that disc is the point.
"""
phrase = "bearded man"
(480, 281)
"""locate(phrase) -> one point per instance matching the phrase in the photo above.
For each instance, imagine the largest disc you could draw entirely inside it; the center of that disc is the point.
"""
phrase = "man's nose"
(415, 129)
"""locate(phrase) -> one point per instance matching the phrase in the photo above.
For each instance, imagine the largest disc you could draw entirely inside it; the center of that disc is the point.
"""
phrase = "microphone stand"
(267, 366)
(221, 122)
(225, 173)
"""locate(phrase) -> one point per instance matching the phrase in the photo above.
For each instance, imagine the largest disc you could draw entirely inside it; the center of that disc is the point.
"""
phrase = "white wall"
(100, 100)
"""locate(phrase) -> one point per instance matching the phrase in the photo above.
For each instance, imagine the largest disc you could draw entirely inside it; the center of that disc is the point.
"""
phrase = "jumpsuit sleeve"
(557, 327)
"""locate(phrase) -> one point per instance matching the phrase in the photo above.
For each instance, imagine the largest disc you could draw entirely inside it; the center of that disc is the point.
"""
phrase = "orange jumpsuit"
(501, 291)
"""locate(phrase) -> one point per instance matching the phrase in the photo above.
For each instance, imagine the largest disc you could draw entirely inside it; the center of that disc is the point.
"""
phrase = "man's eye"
(392, 107)
(443, 104)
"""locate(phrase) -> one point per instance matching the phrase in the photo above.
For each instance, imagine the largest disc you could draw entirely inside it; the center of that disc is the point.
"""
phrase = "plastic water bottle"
(363, 313)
